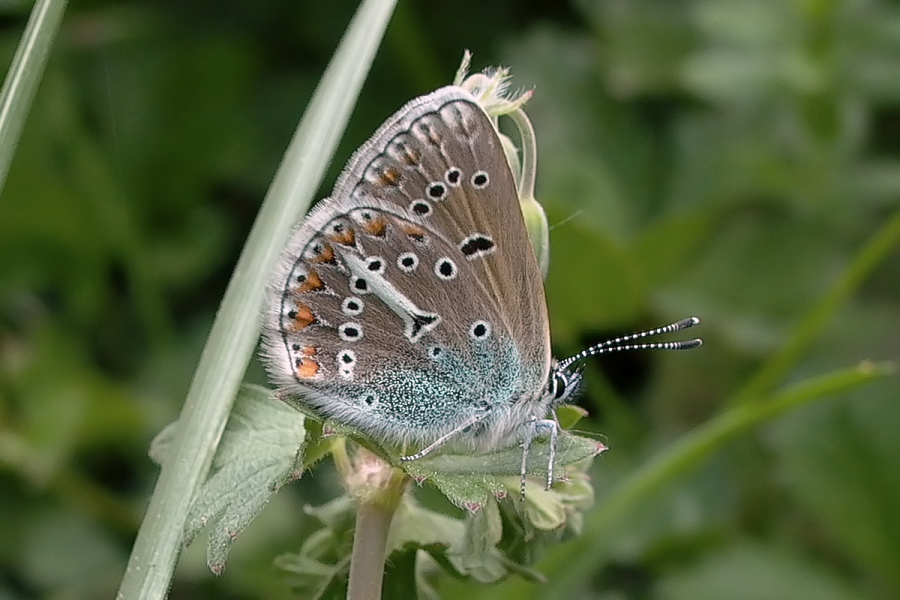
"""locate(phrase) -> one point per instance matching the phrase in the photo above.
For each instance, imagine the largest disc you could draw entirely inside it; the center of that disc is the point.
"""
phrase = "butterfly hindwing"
(411, 300)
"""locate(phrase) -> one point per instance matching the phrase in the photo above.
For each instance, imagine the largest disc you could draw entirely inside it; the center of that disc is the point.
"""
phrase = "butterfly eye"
(558, 386)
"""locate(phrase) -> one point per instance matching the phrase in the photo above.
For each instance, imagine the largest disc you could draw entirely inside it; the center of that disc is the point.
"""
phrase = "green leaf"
(319, 570)
(508, 461)
(259, 452)
(464, 547)
(470, 481)
(478, 555)
(544, 509)
(415, 526)
(473, 547)
(569, 414)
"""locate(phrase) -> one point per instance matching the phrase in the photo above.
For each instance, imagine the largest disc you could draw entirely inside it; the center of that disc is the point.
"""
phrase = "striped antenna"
(622, 343)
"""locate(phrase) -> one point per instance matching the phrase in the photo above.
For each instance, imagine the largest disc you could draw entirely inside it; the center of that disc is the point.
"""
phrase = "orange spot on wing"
(325, 256)
(307, 368)
(344, 238)
(390, 176)
(312, 283)
(376, 227)
(303, 318)
(412, 157)
(413, 231)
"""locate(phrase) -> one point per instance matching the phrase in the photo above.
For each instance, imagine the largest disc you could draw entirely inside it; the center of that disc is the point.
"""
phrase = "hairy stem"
(378, 489)
(373, 521)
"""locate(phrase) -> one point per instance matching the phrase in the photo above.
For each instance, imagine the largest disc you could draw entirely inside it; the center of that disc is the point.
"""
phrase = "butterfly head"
(562, 384)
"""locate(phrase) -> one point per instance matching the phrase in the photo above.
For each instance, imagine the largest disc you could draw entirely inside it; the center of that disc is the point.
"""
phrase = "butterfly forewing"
(440, 161)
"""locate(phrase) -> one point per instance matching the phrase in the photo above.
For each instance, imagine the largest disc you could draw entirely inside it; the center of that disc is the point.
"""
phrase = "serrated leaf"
(508, 461)
(470, 491)
(234, 509)
(260, 423)
(259, 452)
(470, 481)
(465, 548)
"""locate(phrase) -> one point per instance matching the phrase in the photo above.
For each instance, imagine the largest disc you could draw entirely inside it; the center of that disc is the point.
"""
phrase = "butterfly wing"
(412, 299)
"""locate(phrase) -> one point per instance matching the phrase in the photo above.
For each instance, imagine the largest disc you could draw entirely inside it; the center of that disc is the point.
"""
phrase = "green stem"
(378, 489)
(373, 522)
(532, 211)
(779, 365)
(529, 152)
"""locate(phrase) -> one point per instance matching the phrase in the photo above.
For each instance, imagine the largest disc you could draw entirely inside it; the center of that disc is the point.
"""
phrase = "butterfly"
(410, 304)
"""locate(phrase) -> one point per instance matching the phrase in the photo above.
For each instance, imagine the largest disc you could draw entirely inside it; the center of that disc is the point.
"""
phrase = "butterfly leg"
(526, 446)
(539, 428)
(443, 439)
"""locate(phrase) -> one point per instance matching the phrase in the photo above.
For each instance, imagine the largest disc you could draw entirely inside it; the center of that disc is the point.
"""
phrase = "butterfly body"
(409, 305)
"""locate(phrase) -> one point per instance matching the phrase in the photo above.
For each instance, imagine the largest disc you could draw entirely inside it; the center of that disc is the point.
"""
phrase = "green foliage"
(735, 160)
(264, 447)
(260, 451)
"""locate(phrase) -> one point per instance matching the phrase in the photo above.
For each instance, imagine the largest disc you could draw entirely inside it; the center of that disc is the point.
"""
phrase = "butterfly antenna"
(623, 343)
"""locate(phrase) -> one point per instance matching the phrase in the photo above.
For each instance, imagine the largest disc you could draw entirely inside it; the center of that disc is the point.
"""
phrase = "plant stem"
(373, 522)
(378, 489)
(873, 254)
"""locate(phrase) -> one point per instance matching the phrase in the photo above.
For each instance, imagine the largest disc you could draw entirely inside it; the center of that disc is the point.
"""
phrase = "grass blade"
(24, 76)
(236, 328)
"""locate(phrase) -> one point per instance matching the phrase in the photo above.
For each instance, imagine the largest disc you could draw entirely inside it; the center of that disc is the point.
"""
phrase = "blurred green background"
(724, 158)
